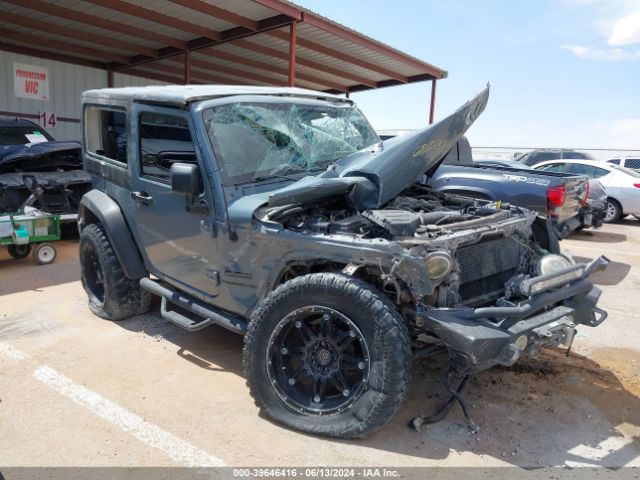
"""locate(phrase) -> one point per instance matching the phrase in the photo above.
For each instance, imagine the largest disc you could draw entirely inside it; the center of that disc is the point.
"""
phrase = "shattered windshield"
(255, 141)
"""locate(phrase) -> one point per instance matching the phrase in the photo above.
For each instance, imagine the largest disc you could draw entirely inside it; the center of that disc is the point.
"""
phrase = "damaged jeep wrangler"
(279, 214)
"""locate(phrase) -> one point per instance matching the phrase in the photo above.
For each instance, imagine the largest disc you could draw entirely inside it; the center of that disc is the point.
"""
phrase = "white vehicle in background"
(627, 162)
(621, 184)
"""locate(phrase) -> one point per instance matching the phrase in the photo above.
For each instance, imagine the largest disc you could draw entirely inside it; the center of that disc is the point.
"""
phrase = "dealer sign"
(30, 81)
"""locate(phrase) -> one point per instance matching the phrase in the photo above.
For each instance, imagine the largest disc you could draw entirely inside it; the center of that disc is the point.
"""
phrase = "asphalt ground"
(76, 390)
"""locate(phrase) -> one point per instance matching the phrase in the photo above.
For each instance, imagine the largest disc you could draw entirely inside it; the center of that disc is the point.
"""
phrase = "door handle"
(143, 197)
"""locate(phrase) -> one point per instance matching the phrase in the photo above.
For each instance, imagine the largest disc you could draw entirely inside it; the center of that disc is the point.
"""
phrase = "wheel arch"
(393, 286)
(98, 207)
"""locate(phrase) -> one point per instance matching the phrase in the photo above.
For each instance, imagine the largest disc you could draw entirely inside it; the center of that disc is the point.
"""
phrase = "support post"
(109, 78)
(292, 53)
(433, 101)
(347, 93)
(187, 67)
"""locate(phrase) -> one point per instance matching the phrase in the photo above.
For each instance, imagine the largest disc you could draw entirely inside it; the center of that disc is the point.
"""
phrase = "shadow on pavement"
(598, 236)
(213, 348)
(544, 411)
(615, 273)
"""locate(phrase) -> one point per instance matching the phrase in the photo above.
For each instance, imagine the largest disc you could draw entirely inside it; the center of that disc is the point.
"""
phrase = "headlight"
(439, 264)
(552, 263)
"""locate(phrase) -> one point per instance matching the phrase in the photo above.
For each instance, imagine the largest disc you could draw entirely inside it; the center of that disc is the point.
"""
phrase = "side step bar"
(233, 323)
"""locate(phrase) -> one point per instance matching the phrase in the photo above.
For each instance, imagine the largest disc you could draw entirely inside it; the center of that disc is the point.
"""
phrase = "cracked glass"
(256, 141)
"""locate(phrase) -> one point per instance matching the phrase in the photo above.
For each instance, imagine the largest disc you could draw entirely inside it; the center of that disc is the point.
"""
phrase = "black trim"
(107, 211)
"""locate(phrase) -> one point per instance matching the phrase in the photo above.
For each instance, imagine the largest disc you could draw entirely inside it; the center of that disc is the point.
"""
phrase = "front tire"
(329, 355)
(111, 294)
(614, 211)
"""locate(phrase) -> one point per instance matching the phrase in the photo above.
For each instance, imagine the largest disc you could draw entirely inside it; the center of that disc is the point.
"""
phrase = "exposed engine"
(471, 264)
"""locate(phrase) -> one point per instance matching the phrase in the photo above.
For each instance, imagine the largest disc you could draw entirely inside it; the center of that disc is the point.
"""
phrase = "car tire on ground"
(111, 294)
(614, 211)
(329, 355)
(44, 253)
(19, 251)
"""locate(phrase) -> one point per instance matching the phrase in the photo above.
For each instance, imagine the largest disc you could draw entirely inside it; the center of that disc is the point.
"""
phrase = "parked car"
(627, 162)
(543, 154)
(494, 182)
(591, 215)
(39, 172)
(621, 184)
(294, 224)
(457, 175)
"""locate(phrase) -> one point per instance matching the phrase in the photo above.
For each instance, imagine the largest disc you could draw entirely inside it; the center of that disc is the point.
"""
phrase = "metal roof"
(183, 94)
(228, 41)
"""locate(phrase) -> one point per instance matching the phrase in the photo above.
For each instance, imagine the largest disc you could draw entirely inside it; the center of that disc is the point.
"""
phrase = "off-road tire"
(19, 251)
(381, 326)
(613, 206)
(121, 297)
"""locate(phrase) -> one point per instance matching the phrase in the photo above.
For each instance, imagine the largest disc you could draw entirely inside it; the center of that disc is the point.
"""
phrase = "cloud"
(603, 54)
(626, 30)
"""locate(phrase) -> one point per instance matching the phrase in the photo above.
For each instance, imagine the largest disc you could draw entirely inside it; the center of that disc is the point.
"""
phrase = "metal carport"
(267, 42)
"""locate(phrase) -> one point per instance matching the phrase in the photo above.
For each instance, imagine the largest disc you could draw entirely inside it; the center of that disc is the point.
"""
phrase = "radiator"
(485, 266)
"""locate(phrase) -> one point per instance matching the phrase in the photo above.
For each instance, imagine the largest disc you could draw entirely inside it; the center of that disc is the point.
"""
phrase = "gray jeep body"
(220, 253)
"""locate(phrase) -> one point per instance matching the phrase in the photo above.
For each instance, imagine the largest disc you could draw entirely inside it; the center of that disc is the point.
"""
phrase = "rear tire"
(44, 253)
(19, 251)
(613, 212)
(111, 294)
(329, 355)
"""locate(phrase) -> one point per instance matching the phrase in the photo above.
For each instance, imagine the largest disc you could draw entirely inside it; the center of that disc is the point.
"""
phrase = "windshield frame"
(205, 108)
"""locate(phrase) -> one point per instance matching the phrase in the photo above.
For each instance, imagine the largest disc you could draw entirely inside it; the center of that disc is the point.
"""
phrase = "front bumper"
(480, 338)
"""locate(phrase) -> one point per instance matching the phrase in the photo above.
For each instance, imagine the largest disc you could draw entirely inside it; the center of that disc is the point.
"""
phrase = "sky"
(563, 73)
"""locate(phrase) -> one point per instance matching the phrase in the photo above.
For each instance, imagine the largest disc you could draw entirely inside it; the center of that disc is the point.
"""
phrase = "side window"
(164, 140)
(588, 170)
(106, 132)
(632, 163)
(599, 172)
(554, 167)
(615, 161)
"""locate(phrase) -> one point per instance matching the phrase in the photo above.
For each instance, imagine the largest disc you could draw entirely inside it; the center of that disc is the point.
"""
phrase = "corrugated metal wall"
(66, 84)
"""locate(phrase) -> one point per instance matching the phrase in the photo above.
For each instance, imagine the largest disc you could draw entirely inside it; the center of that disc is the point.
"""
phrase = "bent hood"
(10, 154)
(373, 178)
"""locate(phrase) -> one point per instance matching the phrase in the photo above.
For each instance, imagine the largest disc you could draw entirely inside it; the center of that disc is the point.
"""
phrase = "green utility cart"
(30, 231)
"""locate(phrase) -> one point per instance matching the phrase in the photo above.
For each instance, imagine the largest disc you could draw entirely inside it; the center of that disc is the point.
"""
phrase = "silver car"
(621, 184)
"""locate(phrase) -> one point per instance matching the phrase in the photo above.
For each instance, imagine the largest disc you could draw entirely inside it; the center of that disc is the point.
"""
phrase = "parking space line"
(176, 448)
(8, 351)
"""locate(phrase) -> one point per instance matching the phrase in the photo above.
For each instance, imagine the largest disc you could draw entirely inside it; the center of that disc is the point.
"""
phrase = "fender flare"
(96, 206)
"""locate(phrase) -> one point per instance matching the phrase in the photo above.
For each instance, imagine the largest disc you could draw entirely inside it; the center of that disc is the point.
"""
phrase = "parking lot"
(76, 390)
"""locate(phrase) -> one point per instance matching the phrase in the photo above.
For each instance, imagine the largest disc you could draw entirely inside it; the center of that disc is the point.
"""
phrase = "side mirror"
(186, 179)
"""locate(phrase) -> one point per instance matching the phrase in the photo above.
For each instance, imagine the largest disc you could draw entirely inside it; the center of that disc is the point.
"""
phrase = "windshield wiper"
(281, 172)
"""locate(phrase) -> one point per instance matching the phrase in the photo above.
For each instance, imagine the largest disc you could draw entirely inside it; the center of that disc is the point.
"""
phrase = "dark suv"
(543, 154)
(278, 213)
